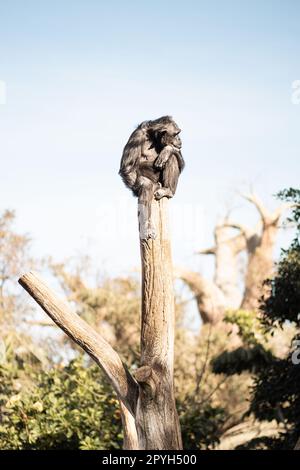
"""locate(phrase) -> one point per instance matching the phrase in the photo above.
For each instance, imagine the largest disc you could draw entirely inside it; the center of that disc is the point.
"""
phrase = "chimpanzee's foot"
(163, 192)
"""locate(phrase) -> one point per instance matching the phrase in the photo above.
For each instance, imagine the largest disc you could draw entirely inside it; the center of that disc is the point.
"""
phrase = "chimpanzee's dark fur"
(152, 158)
(152, 162)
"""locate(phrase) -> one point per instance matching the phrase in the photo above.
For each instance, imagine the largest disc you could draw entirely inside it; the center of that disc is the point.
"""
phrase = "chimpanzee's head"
(164, 131)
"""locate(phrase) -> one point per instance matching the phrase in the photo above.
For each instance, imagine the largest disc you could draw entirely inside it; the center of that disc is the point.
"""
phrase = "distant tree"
(223, 293)
(14, 256)
(112, 307)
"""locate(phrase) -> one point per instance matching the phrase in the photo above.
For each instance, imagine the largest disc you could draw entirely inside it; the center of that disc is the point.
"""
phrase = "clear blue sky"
(81, 74)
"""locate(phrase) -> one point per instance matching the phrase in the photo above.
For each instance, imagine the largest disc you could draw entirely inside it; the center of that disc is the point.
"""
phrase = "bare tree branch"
(237, 242)
(204, 366)
(213, 391)
(130, 439)
(39, 322)
(78, 330)
(207, 251)
(253, 198)
(210, 299)
(245, 231)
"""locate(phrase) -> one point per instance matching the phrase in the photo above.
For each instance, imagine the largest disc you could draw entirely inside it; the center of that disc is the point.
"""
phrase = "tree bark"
(130, 438)
(209, 297)
(156, 415)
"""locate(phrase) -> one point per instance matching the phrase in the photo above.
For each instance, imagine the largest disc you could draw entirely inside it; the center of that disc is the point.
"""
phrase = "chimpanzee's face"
(166, 133)
(170, 136)
(177, 141)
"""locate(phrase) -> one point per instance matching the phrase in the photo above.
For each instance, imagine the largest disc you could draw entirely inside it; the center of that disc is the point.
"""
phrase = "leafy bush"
(68, 407)
(200, 425)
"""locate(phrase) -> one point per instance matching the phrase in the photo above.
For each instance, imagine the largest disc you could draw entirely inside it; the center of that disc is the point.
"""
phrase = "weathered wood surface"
(130, 438)
(156, 415)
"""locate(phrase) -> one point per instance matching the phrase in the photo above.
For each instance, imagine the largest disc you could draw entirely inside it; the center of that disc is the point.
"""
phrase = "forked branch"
(253, 198)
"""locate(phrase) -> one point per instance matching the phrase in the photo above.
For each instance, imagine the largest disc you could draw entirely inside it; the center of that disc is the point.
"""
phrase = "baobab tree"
(223, 293)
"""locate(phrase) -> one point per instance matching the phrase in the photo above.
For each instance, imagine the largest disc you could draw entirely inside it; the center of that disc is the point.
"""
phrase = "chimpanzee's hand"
(163, 157)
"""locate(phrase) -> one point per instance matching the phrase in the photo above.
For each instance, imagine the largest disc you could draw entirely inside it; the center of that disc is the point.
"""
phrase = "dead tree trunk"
(147, 402)
(260, 246)
(214, 297)
(226, 251)
(156, 416)
(226, 262)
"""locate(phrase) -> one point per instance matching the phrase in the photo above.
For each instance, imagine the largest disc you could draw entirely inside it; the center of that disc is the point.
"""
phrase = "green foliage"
(200, 424)
(242, 359)
(72, 407)
(276, 389)
(262, 443)
(68, 407)
(284, 302)
(253, 354)
(250, 329)
(277, 392)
